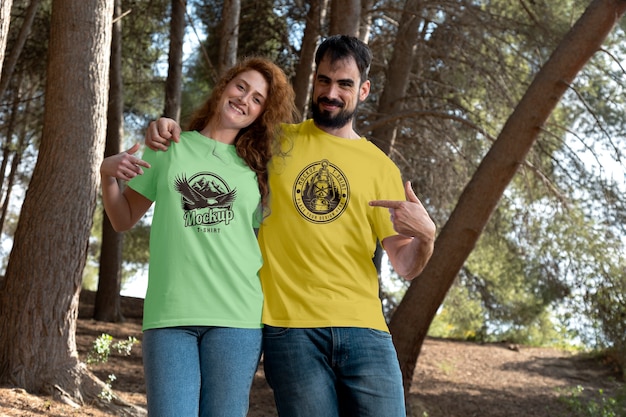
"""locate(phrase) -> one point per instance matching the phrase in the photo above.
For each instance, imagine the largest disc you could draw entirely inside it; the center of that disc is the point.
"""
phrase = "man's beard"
(324, 118)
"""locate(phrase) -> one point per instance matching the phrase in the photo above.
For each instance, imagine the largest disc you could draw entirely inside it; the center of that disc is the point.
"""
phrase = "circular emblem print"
(321, 192)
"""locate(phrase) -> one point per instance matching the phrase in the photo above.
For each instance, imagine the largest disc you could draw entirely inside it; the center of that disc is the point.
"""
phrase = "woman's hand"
(124, 165)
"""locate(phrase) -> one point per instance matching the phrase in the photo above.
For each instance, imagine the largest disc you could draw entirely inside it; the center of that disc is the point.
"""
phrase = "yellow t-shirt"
(320, 236)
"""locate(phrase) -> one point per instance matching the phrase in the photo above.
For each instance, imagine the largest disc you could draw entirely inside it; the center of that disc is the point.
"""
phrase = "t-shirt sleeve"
(390, 188)
(146, 184)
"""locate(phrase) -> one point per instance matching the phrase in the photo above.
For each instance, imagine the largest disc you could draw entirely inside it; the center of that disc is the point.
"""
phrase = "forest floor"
(452, 378)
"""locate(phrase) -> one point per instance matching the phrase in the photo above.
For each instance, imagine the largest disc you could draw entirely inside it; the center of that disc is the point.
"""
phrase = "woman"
(202, 311)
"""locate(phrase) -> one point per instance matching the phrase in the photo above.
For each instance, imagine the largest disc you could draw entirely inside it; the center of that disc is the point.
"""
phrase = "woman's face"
(243, 99)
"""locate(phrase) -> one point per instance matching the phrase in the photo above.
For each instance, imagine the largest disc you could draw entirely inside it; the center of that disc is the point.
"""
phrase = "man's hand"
(409, 217)
(412, 247)
(161, 132)
(124, 165)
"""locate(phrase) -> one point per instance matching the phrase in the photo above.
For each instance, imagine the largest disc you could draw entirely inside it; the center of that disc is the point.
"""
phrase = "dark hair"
(256, 143)
(342, 46)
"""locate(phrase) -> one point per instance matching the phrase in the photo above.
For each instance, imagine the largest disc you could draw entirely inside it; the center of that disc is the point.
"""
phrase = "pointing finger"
(390, 204)
(136, 161)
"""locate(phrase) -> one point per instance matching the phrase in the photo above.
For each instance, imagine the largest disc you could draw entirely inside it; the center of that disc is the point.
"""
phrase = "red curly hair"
(256, 143)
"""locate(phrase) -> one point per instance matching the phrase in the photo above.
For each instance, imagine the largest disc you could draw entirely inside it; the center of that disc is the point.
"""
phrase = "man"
(327, 349)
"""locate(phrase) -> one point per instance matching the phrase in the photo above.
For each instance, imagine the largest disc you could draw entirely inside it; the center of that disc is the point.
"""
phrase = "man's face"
(337, 91)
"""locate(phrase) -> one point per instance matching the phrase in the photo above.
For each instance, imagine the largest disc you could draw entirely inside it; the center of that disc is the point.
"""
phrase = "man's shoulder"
(295, 132)
(295, 127)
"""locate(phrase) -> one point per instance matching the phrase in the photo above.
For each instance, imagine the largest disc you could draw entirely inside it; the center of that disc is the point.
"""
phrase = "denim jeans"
(200, 371)
(332, 372)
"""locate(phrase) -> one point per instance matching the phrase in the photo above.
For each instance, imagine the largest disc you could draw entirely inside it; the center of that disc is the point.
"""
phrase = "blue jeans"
(332, 372)
(200, 371)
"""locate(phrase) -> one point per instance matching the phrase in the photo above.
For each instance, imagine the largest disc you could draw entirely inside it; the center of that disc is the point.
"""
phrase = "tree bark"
(398, 73)
(229, 35)
(107, 305)
(304, 69)
(365, 25)
(5, 19)
(18, 150)
(458, 237)
(11, 61)
(39, 298)
(173, 84)
(345, 17)
(8, 148)
(17, 158)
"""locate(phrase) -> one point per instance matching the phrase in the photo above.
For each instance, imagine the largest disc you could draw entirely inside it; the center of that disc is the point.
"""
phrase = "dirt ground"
(452, 378)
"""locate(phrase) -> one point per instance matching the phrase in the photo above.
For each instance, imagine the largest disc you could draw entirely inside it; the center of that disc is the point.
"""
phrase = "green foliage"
(92, 265)
(135, 251)
(603, 405)
(100, 353)
(90, 277)
(551, 260)
(103, 346)
(107, 394)
(607, 308)
(522, 282)
(144, 62)
(200, 68)
(543, 330)
(461, 317)
(264, 32)
(100, 350)
(261, 32)
(137, 244)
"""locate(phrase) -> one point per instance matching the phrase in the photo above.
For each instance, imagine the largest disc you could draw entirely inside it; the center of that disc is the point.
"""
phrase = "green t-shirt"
(204, 256)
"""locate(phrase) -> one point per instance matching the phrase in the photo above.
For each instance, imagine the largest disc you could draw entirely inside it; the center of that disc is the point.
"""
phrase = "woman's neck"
(221, 134)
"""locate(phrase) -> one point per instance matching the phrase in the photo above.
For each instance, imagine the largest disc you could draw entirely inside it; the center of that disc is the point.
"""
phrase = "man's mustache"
(330, 102)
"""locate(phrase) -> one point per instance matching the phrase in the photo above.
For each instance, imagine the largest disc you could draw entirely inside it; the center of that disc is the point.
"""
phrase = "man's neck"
(346, 131)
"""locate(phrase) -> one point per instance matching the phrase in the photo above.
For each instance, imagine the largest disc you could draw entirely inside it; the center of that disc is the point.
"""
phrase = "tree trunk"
(173, 84)
(5, 19)
(22, 104)
(8, 149)
(7, 73)
(17, 158)
(229, 35)
(458, 237)
(304, 69)
(107, 306)
(365, 26)
(398, 73)
(39, 299)
(17, 153)
(345, 17)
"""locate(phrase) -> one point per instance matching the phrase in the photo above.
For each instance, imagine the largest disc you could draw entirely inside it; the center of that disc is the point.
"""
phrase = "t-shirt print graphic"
(321, 192)
(205, 198)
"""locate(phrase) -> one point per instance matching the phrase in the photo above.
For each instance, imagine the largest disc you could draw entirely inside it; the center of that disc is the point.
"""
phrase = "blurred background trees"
(549, 267)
